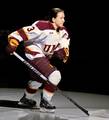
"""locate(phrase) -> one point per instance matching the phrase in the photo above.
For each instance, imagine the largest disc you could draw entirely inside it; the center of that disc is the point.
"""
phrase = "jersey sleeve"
(27, 33)
(62, 51)
(64, 43)
(65, 40)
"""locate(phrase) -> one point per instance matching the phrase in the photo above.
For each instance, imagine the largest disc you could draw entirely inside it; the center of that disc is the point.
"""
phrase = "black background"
(87, 67)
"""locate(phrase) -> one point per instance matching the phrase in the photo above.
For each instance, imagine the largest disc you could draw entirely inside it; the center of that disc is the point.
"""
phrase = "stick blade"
(100, 113)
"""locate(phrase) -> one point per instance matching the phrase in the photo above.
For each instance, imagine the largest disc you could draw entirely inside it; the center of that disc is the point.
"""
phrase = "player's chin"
(61, 25)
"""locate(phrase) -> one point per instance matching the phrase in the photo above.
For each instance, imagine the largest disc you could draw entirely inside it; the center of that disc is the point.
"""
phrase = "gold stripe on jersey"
(66, 50)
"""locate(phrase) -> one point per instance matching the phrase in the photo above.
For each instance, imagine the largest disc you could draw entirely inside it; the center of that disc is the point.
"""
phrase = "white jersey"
(41, 38)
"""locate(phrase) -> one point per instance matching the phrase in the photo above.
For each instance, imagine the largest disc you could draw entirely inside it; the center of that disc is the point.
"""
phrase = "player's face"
(60, 19)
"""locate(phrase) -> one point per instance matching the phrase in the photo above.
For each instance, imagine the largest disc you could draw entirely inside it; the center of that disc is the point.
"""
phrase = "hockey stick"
(46, 80)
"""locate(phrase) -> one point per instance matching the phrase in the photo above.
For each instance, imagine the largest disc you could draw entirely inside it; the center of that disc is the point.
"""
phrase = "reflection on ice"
(41, 116)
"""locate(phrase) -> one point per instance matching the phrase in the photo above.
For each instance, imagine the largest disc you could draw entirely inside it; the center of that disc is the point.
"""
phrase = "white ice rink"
(97, 106)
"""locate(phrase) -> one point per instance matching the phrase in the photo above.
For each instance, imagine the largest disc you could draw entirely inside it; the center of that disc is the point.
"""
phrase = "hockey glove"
(12, 46)
(62, 54)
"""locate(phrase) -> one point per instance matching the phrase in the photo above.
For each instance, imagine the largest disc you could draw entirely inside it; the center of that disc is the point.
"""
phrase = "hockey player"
(42, 40)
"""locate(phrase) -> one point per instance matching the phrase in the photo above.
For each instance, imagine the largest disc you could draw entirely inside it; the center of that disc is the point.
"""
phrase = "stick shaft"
(30, 66)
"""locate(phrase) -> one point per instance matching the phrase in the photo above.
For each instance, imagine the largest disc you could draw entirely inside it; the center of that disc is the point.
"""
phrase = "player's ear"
(53, 19)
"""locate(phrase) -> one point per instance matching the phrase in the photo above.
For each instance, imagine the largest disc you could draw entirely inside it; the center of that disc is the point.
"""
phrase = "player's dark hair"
(53, 13)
